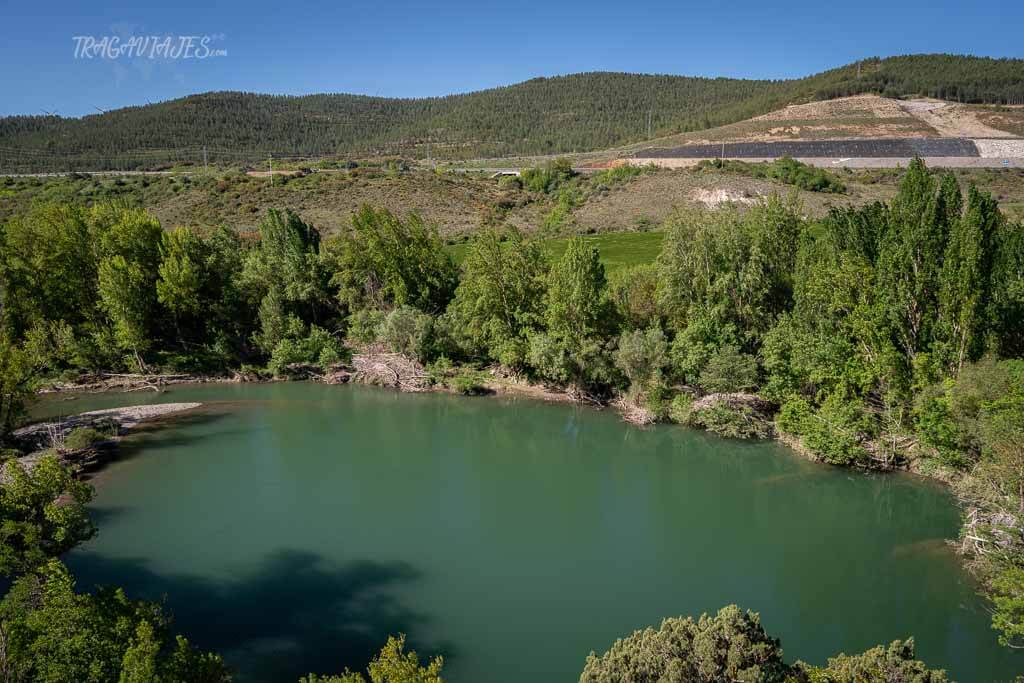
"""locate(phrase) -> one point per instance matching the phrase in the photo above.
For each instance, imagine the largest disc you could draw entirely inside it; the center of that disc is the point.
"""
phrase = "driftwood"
(389, 370)
(107, 381)
(736, 400)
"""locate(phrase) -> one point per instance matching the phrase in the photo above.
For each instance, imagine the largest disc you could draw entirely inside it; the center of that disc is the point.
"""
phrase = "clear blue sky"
(384, 47)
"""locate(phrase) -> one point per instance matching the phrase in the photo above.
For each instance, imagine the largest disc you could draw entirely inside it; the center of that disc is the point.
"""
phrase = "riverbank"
(105, 429)
(273, 485)
(391, 370)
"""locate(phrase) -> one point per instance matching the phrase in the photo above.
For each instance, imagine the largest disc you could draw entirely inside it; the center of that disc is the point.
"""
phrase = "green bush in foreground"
(52, 633)
(733, 646)
(392, 665)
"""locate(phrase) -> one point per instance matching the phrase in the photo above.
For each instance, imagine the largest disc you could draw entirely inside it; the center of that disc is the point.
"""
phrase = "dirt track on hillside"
(952, 120)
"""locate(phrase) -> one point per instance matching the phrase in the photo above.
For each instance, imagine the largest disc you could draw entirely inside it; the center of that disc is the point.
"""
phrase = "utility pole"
(650, 112)
(271, 170)
(206, 166)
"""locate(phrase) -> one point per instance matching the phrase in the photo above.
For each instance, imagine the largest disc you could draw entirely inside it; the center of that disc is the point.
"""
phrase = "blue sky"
(424, 48)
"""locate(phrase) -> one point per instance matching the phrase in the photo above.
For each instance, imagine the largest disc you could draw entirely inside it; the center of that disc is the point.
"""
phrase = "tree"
(51, 633)
(288, 277)
(181, 275)
(892, 664)
(731, 646)
(42, 514)
(910, 260)
(642, 356)
(499, 298)
(578, 319)
(729, 370)
(392, 665)
(16, 376)
(385, 262)
(126, 297)
(732, 268)
(963, 325)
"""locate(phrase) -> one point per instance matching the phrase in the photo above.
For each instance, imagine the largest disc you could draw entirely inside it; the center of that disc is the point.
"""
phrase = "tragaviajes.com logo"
(147, 47)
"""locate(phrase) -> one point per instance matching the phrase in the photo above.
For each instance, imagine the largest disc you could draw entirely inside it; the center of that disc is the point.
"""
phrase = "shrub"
(83, 437)
(731, 646)
(319, 347)
(835, 432)
(468, 382)
(734, 422)
(364, 326)
(729, 370)
(641, 356)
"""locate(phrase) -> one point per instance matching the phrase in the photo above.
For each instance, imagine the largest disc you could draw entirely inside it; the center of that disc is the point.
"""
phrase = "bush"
(468, 382)
(731, 646)
(893, 663)
(547, 178)
(835, 432)
(734, 422)
(641, 356)
(319, 347)
(407, 331)
(364, 326)
(83, 437)
(729, 370)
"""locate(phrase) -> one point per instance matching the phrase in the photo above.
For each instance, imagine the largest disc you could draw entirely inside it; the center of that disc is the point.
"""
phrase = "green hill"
(579, 112)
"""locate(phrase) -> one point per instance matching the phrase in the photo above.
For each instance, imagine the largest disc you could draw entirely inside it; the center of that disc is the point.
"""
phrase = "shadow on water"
(296, 614)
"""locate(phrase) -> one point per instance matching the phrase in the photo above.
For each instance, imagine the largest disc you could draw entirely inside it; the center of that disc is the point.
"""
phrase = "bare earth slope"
(952, 120)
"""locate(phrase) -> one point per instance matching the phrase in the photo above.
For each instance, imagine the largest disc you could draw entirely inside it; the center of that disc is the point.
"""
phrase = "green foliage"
(16, 376)
(633, 292)
(364, 326)
(408, 331)
(578, 319)
(729, 370)
(730, 268)
(731, 646)
(730, 421)
(301, 347)
(500, 296)
(468, 382)
(895, 664)
(572, 113)
(287, 275)
(547, 178)
(1007, 593)
(385, 261)
(836, 431)
(42, 514)
(83, 437)
(787, 171)
(53, 634)
(642, 356)
(392, 665)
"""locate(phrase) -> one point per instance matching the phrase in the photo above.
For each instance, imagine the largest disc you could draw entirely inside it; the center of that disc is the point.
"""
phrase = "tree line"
(574, 113)
(875, 337)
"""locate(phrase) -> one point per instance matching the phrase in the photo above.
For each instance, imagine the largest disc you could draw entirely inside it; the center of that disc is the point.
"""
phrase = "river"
(293, 526)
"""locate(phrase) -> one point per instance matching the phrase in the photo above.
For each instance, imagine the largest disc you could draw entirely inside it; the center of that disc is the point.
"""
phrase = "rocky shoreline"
(41, 438)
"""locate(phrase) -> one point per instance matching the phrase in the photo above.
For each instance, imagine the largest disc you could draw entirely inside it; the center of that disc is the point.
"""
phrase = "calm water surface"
(293, 526)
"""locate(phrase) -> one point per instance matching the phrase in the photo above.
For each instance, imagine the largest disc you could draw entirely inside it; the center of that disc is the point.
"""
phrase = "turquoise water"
(292, 527)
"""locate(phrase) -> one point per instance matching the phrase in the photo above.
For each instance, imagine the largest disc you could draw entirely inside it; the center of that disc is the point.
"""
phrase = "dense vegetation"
(579, 112)
(879, 337)
(733, 646)
(786, 170)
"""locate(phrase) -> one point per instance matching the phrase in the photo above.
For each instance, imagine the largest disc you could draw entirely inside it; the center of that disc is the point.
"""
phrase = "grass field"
(618, 249)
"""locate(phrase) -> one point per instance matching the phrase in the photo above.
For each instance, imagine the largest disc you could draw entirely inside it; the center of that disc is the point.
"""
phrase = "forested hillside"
(578, 112)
